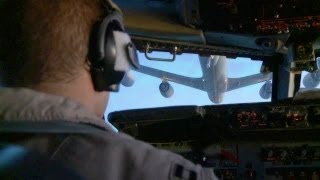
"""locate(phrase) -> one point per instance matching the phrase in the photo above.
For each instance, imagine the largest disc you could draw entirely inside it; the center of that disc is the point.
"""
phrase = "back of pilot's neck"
(79, 90)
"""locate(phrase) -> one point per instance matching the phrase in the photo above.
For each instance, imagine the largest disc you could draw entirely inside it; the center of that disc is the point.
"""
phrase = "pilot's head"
(44, 45)
(44, 40)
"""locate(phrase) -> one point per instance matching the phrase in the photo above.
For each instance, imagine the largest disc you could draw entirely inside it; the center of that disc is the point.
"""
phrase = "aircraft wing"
(235, 83)
(196, 83)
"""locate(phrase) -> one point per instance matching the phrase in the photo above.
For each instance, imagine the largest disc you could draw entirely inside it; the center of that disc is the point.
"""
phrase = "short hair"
(45, 40)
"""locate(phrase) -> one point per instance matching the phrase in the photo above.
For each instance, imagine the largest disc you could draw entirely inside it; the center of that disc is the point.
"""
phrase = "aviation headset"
(111, 52)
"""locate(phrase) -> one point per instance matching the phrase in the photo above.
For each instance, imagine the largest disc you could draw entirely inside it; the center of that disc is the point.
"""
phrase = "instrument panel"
(260, 16)
(243, 141)
(256, 161)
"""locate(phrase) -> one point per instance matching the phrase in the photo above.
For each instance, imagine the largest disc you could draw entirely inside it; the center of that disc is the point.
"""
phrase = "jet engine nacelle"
(266, 90)
(312, 80)
(166, 89)
(127, 80)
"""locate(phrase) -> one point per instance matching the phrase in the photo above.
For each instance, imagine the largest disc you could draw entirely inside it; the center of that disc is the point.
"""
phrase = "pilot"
(58, 67)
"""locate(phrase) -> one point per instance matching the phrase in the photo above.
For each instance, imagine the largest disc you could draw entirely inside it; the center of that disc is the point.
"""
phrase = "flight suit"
(111, 155)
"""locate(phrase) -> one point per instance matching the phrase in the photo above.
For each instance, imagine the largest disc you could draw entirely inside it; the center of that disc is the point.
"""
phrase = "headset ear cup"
(105, 34)
(110, 50)
(103, 53)
(96, 60)
(98, 79)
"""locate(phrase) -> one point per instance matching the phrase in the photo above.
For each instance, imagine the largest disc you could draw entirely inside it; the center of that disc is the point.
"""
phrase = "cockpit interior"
(263, 56)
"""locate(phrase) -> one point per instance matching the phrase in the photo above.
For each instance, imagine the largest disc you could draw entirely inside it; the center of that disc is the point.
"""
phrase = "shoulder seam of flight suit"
(60, 146)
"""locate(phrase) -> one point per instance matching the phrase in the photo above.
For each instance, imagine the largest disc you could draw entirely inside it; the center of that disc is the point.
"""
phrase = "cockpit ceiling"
(157, 22)
(225, 23)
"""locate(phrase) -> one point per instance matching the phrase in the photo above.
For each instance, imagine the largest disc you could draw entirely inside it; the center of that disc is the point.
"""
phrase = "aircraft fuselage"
(215, 79)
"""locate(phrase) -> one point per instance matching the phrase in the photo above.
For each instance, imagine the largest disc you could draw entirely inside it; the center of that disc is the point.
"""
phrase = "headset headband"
(110, 6)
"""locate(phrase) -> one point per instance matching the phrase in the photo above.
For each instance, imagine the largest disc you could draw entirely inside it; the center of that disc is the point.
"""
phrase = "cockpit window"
(192, 80)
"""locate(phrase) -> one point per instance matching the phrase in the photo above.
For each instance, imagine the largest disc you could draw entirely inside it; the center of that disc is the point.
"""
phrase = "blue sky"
(145, 92)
